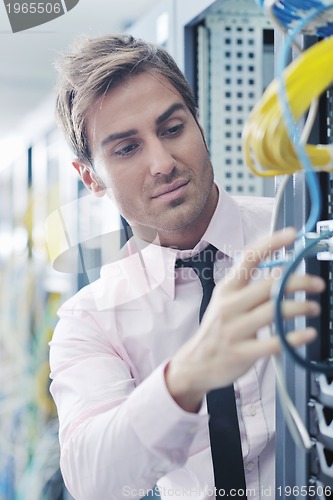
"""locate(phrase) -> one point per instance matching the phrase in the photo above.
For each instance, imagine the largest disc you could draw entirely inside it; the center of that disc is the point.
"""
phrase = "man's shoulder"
(82, 300)
(120, 282)
(255, 203)
(255, 206)
(256, 213)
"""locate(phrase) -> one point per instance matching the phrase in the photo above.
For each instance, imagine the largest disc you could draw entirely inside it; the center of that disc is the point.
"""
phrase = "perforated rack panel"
(311, 392)
(236, 57)
(320, 404)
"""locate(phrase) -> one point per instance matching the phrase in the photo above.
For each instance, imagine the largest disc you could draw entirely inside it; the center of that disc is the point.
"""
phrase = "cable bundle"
(268, 148)
(273, 145)
(275, 142)
(287, 13)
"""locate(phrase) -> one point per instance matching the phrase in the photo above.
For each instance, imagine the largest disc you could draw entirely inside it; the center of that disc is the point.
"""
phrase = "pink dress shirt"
(120, 430)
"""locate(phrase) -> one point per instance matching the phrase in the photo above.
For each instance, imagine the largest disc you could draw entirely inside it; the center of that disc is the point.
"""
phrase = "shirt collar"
(153, 265)
(225, 230)
(158, 262)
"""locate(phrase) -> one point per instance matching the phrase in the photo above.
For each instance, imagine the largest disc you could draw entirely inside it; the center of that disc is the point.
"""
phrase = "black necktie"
(223, 422)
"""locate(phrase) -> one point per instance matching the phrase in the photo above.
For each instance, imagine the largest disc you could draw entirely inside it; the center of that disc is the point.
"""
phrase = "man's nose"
(159, 158)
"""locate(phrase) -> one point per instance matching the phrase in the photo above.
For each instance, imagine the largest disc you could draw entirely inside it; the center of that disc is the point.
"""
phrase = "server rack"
(298, 473)
(234, 64)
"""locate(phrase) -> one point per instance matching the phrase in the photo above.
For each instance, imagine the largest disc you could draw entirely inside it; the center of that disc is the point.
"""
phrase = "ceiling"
(27, 75)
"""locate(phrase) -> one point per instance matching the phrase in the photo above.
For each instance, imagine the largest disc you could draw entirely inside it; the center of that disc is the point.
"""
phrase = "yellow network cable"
(267, 147)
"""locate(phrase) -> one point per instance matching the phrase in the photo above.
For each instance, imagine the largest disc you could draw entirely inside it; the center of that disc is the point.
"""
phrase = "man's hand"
(226, 344)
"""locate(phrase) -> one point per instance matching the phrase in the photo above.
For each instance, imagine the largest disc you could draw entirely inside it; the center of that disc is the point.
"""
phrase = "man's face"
(150, 156)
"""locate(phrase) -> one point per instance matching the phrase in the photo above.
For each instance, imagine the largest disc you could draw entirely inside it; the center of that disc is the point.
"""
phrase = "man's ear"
(89, 178)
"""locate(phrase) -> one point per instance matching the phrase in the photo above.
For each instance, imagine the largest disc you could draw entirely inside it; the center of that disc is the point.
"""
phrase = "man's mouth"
(169, 189)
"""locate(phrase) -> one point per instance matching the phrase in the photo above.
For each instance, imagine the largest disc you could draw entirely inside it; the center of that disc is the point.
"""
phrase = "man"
(131, 364)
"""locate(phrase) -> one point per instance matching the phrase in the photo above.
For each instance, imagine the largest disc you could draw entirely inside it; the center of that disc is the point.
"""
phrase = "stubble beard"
(182, 220)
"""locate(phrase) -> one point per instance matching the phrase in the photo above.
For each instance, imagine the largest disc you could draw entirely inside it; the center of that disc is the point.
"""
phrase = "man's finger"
(255, 254)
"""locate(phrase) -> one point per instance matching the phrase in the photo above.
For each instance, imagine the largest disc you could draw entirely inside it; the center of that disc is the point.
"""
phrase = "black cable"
(277, 295)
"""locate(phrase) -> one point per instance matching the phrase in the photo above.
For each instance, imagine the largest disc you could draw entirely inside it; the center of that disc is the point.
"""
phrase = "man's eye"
(172, 131)
(126, 150)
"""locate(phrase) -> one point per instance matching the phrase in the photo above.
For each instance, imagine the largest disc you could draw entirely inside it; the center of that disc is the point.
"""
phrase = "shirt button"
(252, 410)
(250, 466)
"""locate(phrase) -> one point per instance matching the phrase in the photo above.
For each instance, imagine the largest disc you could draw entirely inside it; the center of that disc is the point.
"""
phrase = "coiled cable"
(288, 13)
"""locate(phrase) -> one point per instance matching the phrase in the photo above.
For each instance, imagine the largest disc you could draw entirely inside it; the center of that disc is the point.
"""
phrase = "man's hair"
(97, 65)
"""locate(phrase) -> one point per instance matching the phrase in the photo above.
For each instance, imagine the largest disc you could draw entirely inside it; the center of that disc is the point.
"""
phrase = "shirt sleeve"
(117, 437)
